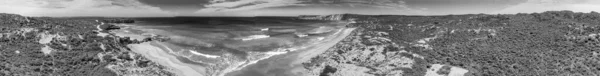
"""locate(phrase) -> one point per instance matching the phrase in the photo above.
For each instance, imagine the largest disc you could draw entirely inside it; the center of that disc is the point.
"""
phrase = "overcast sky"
(162, 8)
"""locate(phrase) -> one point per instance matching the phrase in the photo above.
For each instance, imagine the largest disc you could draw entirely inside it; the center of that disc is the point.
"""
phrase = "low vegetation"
(553, 43)
(73, 49)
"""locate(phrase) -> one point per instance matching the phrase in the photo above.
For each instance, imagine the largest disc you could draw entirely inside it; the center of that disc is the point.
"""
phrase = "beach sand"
(158, 54)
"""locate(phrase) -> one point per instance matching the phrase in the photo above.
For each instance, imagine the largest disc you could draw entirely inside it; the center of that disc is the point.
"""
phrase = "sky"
(168, 8)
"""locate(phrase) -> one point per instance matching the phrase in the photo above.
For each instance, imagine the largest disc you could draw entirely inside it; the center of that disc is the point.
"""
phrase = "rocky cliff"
(333, 17)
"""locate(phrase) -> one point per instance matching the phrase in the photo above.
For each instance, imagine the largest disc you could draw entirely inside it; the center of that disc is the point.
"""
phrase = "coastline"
(305, 55)
(159, 52)
(163, 54)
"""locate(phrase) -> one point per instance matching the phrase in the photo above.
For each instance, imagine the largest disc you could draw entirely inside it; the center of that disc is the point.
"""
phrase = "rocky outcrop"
(156, 38)
(108, 27)
(336, 17)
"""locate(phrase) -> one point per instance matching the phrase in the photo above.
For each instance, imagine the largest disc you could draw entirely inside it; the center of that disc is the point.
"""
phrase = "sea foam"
(205, 55)
(252, 37)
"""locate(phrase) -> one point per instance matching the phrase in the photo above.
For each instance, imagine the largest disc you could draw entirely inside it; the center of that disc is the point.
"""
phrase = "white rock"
(456, 71)
(46, 38)
(46, 50)
(432, 71)
(102, 47)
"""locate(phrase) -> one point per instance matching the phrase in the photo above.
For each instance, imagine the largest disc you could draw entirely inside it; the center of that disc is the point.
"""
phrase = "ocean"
(232, 46)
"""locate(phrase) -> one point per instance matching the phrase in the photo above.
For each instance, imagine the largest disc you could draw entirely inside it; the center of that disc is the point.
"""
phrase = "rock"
(109, 27)
(160, 38)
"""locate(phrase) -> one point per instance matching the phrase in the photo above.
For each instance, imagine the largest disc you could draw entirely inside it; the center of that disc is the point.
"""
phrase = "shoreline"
(307, 55)
(153, 51)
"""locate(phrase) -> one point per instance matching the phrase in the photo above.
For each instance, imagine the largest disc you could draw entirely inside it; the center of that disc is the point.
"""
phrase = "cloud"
(217, 6)
(299, 7)
(444, 7)
(221, 5)
(137, 8)
(61, 8)
(179, 6)
(556, 5)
